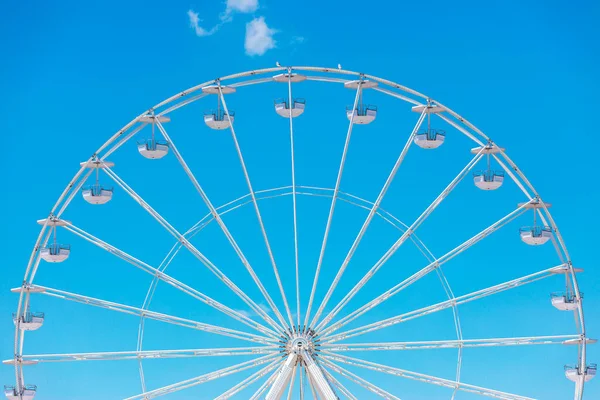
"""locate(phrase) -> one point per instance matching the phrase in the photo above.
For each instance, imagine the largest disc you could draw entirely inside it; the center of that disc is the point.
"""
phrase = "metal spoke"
(218, 219)
(338, 385)
(170, 280)
(360, 381)
(248, 381)
(447, 304)
(291, 118)
(147, 354)
(434, 265)
(258, 215)
(453, 344)
(332, 207)
(367, 222)
(264, 386)
(201, 257)
(175, 387)
(170, 319)
(425, 378)
(390, 252)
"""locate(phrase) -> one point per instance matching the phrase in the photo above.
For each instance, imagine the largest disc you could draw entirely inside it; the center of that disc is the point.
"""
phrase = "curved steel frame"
(325, 75)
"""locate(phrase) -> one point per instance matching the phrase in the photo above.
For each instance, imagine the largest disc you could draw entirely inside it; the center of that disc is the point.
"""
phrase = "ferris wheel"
(304, 343)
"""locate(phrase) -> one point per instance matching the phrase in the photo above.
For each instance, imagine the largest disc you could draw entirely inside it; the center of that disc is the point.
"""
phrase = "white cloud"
(297, 40)
(241, 6)
(195, 24)
(259, 37)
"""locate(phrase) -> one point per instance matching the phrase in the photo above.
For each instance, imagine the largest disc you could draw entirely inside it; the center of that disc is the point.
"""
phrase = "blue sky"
(525, 73)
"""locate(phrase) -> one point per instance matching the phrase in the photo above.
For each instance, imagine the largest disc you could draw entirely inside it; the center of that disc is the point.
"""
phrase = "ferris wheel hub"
(299, 342)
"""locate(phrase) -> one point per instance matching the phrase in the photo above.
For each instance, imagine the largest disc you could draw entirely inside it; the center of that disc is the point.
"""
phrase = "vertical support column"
(317, 377)
(283, 377)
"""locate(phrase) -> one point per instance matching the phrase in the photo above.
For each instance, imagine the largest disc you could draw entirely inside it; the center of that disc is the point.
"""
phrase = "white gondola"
(488, 180)
(535, 235)
(564, 301)
(430, 138)
(27, 392)
(283, 108)
(218, 119)
(363, 114)
(572, 372)
(97, 194)
(55, 252)
(153, 149)
(30, 321)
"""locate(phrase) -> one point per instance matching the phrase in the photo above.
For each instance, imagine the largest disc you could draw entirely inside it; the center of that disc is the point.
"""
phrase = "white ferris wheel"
(306, 338)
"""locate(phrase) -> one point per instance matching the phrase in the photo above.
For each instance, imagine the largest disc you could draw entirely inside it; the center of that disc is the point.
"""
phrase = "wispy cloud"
(195, 24)
(297, 40)
(259, 37)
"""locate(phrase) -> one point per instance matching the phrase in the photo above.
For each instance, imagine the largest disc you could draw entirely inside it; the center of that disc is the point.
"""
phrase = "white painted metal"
(170, 319)
(218, 120)
(261, 224)
(488, 180)
(430, 138)
(565, 301)
(428, 109)
(291, 77)
(317, 377)
(283, 377)
(26, 392)
(282, 107)
(152, 119)
(424, 378)
(30, 321)
(153, 149)
(358, 380)
(218, 89)
(97, 194)
(362, 115)
(389, 88)
(55, 253)
(443, 305)
(535, 235)
(572, 372)
(365, 225)
(409, 231)
(148, 354)
(450, 344)
(364, 84)
(175, 387)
